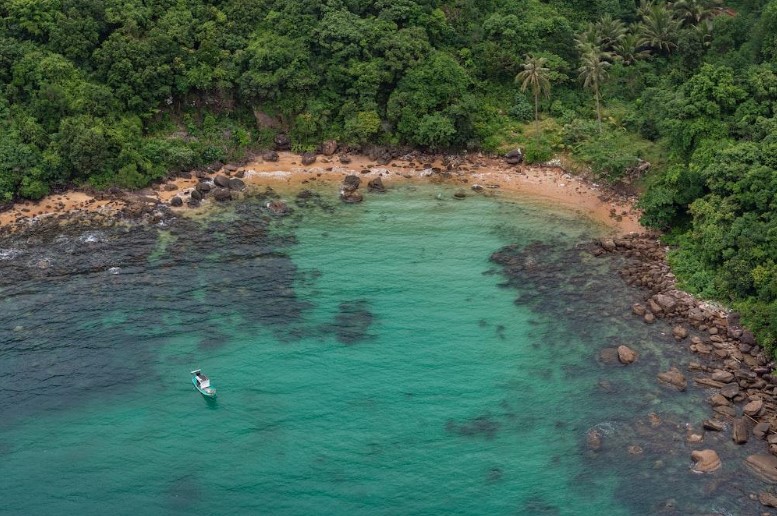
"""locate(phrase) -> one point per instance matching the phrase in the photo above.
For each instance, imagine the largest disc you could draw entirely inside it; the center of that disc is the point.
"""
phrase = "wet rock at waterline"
(222, 194)
(706, 461)
(221, 181)
(236, 184)
(740, 431)
(176, 202)
(626, 355)
(376, 185)
(278, 208)
(763, 466)
(674, 378)
(348, 191)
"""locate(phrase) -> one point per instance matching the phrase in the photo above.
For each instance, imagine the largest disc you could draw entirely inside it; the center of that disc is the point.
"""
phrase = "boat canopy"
(204, 382)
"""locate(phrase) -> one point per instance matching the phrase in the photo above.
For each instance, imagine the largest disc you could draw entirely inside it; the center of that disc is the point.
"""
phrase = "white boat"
(202, 384)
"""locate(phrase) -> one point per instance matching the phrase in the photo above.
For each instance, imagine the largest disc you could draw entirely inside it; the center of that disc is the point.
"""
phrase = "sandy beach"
(287, 176)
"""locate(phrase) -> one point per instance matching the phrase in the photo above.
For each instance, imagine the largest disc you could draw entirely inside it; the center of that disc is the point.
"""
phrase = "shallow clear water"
(369, 359)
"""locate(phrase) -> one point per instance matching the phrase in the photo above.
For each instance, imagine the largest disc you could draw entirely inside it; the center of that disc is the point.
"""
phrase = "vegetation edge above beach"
(675, 99)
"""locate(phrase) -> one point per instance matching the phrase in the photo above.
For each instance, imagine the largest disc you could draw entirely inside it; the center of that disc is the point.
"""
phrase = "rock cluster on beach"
(737, 371)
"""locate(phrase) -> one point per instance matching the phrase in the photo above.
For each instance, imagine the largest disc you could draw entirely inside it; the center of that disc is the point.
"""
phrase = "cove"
(370, 359)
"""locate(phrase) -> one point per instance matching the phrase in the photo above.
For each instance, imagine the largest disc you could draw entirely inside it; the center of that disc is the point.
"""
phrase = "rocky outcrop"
(514, 157)
(763, 466)
(376, 185)
(674, 378)
(222, 194)
(282, 142)
(626, 355)
(329, 147)
(706, 461)
(278, 208)
(221, 181)
(349, 190)
(740, 432)
(270, 156)
(731, 361)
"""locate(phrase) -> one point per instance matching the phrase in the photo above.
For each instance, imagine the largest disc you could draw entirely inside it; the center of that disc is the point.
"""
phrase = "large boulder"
(329, 147)
(706, 461)
(236, 184)
(376, 185)
(176, 202)
(282, 142)
(351, 182)
(221, 181)
(278, 208)
(740, 431)
(514, 157)
(308, 158)
(680, 332)
(763, 466)
(270, 156)
(203, 187)
(722, 376)
(594, 439)
(351, 196)
(626, 355)
(667, 303)
(674, 378)
(753, 408)
(195, 195)
(344, 159)
(222, 194)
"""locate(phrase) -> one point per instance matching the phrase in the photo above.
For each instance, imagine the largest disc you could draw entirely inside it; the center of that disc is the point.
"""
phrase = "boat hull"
(208, 392)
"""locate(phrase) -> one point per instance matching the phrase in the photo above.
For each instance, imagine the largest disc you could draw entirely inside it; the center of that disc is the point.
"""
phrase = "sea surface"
(369, 359)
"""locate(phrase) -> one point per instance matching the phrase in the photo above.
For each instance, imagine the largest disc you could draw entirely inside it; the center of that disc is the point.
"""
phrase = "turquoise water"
(369, 359)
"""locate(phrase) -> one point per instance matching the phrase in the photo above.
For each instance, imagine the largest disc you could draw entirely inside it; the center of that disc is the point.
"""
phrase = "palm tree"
(610, 31)
(590, 37)
(535, 75)
(629, 50)
(693, 12)
(593, 72)
(659, 28)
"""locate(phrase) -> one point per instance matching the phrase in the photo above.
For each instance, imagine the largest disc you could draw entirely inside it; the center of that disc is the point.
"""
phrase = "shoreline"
(288, 176)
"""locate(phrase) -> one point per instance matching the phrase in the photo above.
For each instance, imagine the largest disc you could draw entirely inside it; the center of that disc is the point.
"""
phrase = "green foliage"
(522, 109)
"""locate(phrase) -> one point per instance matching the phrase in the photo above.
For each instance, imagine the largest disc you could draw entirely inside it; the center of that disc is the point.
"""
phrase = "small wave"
(9, 254)
(91, 238)
(605, 428)
(276, 173)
